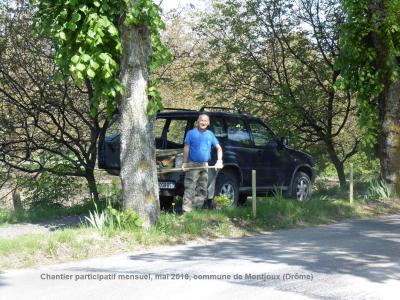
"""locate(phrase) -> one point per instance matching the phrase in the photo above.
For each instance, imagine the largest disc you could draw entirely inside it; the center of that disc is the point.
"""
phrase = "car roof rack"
(176, 109)
(203, 108)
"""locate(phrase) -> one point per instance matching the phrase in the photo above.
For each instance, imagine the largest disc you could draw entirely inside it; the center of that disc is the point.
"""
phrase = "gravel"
(10, 231)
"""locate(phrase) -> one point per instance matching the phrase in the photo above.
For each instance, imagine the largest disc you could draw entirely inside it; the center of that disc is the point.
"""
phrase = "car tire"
(301, 187)
(228, 184)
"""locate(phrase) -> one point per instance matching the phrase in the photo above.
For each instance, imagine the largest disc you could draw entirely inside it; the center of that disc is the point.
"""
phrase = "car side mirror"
(284, 141)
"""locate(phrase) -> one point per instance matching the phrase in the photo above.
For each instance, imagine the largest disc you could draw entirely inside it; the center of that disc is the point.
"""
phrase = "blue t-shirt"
(200, 144)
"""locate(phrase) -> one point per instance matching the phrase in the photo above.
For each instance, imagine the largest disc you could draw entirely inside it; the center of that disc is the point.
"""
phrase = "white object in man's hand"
(184, 167)
(219, 165)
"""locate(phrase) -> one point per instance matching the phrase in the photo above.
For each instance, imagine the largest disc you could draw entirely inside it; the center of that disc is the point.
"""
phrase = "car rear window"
(217, 126)
(176, 131)
(237, 131)
(159, 127)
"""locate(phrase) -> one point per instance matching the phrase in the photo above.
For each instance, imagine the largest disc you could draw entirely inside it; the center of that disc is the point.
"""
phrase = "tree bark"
(16, 198)
(16, 195)
(339, 166)
(91, 180)
(389, 103)
(389, 142)
(138, 170)
(342, 177)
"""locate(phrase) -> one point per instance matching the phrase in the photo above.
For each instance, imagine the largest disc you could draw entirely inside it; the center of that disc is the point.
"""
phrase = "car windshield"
(262, 135)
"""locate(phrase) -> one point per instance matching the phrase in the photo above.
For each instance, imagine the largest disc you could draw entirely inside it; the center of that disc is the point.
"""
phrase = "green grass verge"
(272, 214)
(41, 213)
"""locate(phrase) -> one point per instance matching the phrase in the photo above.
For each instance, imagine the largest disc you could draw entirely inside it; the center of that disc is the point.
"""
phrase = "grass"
(40, 213)
(272, 213)
(20, 251)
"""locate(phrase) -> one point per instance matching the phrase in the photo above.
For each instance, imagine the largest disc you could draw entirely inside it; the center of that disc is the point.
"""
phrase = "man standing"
(197, 153)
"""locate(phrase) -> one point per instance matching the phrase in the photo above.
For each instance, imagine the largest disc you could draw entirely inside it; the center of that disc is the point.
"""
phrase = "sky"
(167, 5)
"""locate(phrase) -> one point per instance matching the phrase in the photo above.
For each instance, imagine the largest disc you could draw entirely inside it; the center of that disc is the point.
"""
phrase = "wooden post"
(351, 183)
(254, 194)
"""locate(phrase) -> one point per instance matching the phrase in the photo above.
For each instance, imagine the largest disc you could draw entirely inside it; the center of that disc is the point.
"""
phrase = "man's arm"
(219, 165)
(185, 153)
(219, 152)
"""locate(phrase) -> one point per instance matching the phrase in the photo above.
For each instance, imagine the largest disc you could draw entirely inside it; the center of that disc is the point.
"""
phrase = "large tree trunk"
(337, 163)
(91, 180)
(389, 143)
(389, 103)
(138, 169)
(16, 195)
(16, 199)
(340, 172)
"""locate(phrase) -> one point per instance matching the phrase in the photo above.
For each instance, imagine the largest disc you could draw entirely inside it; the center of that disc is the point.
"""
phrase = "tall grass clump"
(379, 190)
(111, 219)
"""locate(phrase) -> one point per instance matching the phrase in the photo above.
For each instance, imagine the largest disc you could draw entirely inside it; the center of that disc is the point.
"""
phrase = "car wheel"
(228, 184)
(301, 187)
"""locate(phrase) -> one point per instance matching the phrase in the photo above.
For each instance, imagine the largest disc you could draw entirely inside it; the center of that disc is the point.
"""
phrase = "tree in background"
(369, 63)
(113, 44)
(44, 126)
(177, 87)
(275, 58)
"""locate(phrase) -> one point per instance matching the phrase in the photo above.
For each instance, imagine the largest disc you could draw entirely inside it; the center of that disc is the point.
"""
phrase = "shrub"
(48, 190)
(111, 192)
(379, 190)
(113, 219)
(222, 201)
(277, 194)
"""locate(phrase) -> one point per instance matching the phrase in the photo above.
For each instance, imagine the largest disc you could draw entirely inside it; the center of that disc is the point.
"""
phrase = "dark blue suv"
(248, 144)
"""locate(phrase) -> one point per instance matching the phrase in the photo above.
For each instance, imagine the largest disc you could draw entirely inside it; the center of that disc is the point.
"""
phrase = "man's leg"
(191, 178)
(212, 178)
(201, 189)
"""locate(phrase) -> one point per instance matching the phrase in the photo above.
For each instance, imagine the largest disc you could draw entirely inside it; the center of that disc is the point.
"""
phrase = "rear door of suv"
(170, 134)
(272, 159)
(239, 148)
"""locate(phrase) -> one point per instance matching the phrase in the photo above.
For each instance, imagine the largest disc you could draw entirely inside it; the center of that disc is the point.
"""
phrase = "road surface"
(348, 260)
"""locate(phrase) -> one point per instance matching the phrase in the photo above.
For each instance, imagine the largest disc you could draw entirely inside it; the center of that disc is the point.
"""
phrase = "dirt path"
(10, 231)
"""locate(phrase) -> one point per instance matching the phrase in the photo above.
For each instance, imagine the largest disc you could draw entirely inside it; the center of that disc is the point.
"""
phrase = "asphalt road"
(349, 260)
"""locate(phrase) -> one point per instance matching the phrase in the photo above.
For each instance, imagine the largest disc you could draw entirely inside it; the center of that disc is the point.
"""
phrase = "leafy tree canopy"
(365, 68)
(88, 44)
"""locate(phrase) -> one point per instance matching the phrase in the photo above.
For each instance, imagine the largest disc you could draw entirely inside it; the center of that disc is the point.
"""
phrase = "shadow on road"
(364, 248)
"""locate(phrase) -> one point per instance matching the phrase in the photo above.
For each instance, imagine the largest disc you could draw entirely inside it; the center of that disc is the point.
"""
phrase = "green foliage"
(48, 190)
(261, 60)
(111, 192)
(112, 219)
(286, 213)
(278, 194)
(88, 41)
(96, 219)
(40, 213)
(222, 201)
(26, 243)
(365, 168)
(370, 43)
(155, 103)
(379, 190)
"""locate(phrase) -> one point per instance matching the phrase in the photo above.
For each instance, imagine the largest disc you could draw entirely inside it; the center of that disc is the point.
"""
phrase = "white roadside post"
(351, 183)
(253, 197)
